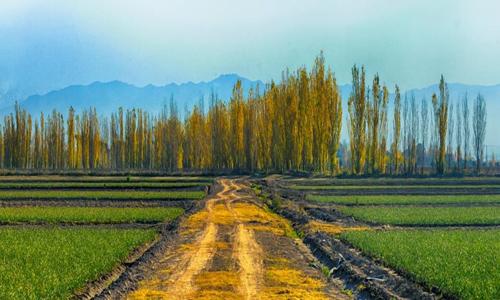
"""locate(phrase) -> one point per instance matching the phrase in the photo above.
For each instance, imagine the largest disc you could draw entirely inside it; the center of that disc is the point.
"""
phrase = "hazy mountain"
(107, 97)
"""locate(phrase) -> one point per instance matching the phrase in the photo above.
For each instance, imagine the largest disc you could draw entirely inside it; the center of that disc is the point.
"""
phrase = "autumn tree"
(396, 130)
(441, 122)
(357, 120)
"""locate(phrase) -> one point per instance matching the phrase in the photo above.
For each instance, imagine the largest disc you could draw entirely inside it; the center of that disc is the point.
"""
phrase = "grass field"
(464, 263)
(414, 215)
(101, 215)
(57, 178)
(391, 187)
(404, 199)
(394, 181)
(97, 185)
(100, 195)
(51, 263)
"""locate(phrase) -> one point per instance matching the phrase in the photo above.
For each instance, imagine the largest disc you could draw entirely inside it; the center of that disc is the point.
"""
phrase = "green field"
(464, 263)
(100, 195)
(391, 187)
(76, 215)
(46, 263)
(414, 215)
(57, 178)
(99, 185)
(404, 199)
(393, 181)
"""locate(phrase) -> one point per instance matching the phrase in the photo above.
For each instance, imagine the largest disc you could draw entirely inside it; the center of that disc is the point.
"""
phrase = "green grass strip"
(382, 181)
(391, 187)
(107, 215)
(464, 263)
(57, 178)
(51, 263)
(411, 215)
(404, 199)
(123, 185)
(98, 195)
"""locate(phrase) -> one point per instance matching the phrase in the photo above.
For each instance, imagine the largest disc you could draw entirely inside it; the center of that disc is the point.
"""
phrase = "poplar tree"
(396, 130)
(466, 129)
(479, 129)
(357, 120)
(441, 122)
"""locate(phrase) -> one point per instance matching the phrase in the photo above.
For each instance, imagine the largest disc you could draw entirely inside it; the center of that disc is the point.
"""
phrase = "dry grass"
(256, 217)
(315, 226)
(286, 283)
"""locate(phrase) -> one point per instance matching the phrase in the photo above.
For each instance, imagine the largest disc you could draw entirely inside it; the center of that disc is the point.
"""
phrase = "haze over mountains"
(107, 97)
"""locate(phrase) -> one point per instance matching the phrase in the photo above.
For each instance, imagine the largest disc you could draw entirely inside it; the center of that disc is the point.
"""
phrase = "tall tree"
(451, 128)
(441, 120)
(466, 129)
(424, 112)
(458, 136)
(479, 129)
(396, 130)
(71, 138)
(357, 118)
(236, 109)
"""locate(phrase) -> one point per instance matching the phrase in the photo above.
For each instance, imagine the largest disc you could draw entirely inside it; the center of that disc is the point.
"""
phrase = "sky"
(50, 44)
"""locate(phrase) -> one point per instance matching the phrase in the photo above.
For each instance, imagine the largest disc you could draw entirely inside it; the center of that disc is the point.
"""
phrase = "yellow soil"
(316, 226)
(187, 272)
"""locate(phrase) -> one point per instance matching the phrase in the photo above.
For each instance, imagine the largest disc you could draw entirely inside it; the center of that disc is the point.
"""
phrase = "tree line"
(294, 125)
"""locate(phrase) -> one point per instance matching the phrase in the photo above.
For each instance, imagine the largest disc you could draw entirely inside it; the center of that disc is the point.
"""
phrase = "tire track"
(248, 254)
(182, 283)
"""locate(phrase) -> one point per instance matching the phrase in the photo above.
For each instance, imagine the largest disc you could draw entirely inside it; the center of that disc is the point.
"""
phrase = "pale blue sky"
(51, 44)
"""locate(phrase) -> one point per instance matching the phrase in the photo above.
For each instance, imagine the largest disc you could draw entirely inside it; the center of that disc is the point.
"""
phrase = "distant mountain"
(107, 97)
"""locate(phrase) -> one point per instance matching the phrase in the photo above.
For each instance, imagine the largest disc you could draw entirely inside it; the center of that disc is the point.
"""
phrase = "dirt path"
(236, 249)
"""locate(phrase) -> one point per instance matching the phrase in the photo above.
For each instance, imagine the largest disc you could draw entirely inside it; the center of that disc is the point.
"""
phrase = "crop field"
(100, 195)
(63, 237)
(406, 199)
(411, 215)
(51, 263)
(321, 181)
(442, 235)
(101, 185)
(88, 215)
(57, 178)
(461, 262)
(380, 187)
(52, 250)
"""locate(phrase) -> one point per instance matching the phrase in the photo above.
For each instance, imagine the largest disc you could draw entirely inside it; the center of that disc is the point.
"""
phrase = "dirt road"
(236, 249)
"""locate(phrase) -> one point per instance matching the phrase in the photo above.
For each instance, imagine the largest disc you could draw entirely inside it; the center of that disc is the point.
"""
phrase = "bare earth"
(236, 249)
